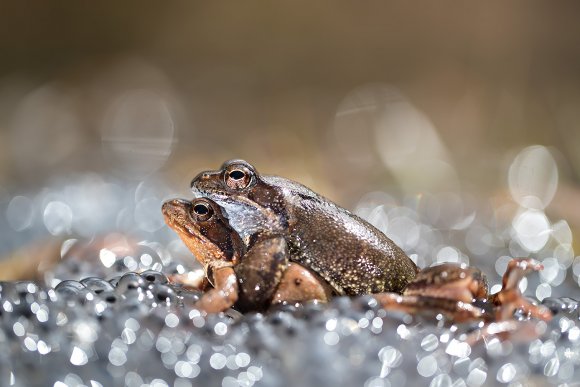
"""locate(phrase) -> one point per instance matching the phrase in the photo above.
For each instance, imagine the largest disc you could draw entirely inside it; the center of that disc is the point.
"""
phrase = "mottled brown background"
(264, 81)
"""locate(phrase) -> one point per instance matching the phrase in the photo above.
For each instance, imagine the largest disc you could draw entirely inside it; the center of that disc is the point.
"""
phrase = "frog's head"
(235, 177)
(204, 229)
(251, 203)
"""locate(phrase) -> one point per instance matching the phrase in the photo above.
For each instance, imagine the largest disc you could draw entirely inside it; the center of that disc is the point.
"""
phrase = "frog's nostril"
(203, 176)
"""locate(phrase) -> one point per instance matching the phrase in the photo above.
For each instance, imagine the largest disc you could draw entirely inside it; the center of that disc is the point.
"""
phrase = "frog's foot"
(509, 298)
(192, 280)
(455, 310)
(223, 295)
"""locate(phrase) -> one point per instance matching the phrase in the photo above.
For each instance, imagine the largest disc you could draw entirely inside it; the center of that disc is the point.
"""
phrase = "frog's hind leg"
(299, 284)
(455, 310)
(510, 299)
(448, 289)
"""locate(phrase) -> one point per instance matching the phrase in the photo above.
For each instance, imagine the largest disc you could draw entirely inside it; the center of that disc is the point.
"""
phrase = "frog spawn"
(139, 329)
(347, 341)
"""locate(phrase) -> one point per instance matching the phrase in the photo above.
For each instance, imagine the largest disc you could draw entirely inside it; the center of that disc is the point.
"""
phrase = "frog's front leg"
(225, 292)
(260, 271)
(191, 280)
(510, 299)
(265, 276)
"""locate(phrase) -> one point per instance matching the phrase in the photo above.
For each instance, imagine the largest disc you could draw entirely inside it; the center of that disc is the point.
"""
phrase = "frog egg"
(564, 305)
(97, 285)
(189, 298)
(109, 296)
(69, 288)
(130, 282)
(133, 304)
(154, 277)
(115, 280)
(164, 294)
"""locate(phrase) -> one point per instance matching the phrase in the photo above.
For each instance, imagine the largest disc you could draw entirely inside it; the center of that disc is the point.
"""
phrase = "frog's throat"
(202, 248)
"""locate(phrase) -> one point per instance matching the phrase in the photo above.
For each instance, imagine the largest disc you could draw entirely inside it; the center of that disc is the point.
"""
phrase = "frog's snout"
(206, 181)
(173, 206)
(202, 176)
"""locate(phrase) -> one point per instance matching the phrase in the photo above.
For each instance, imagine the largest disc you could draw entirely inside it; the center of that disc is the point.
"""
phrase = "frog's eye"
(238, 177)
(202, 211)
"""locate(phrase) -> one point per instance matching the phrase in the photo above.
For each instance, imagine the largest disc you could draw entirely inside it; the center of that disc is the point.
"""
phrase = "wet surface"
(144, 331)
(93, 320)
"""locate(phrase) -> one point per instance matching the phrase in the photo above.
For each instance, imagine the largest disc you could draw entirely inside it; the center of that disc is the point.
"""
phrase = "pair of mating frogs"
(264, 240)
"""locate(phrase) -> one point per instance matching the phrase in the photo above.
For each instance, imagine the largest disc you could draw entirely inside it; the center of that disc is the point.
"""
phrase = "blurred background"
(454, 129)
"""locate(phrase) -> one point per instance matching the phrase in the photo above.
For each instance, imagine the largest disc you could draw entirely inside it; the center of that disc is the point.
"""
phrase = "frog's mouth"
(176, 215)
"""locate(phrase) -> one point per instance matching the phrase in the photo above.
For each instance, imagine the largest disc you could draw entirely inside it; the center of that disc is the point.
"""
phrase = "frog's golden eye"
(202, 211)
(238, 177)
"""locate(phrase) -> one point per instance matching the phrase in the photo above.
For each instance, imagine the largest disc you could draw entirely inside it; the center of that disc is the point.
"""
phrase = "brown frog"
(254, 278)
(249, 278)
(348, 253)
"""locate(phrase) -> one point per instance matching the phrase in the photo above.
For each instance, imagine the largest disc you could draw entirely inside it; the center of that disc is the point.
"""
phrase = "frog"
(248, 278)
(256, 278)
(350, 254)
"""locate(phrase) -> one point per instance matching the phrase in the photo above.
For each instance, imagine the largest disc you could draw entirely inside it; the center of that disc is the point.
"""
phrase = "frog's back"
(345, 250)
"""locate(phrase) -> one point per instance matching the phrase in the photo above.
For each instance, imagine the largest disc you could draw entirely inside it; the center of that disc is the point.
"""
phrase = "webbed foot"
(509, 298)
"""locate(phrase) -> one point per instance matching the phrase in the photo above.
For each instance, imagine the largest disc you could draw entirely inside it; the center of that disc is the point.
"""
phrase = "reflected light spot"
(19, 213)
(506, 373)
(543, 290)
(448, 254)
(410, 147)
(532, 229)
(427, 366)
(331, 338)
(78, 357)
(352, 132)
(476, 377)
(533, 177)
(217, 361)
(107, 257)
(45, 129)
(58, 218)
(138, 132)
(117, 357)
(391, 356)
